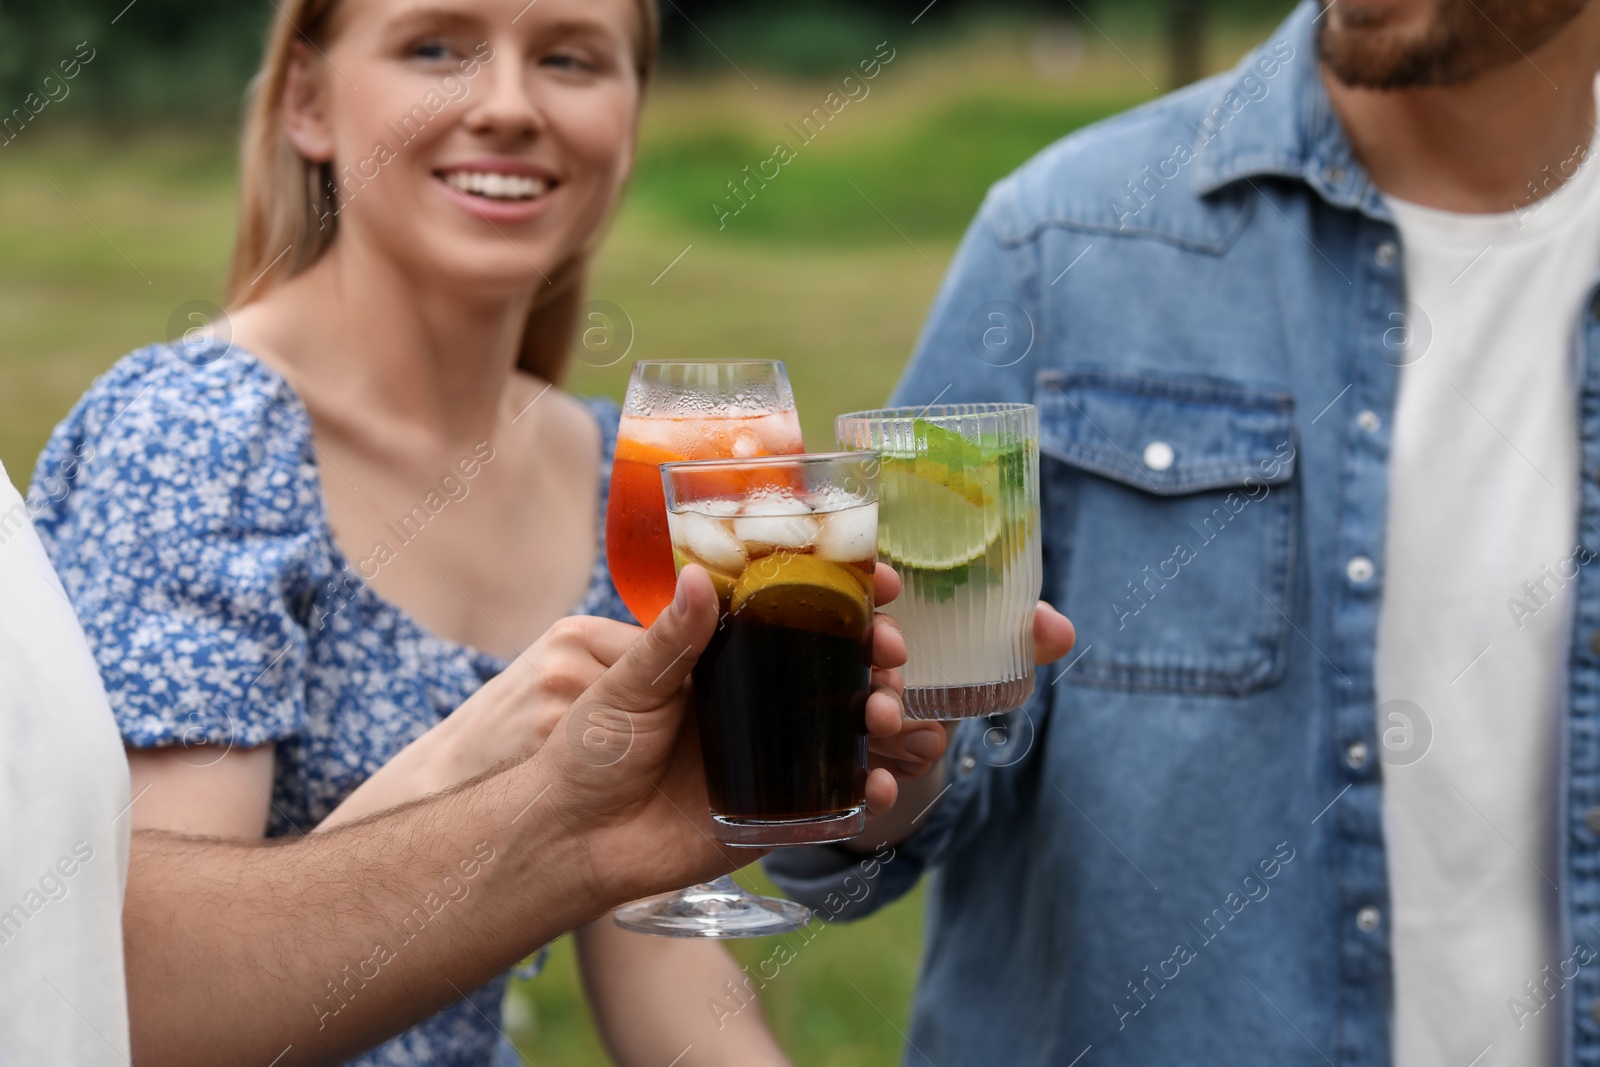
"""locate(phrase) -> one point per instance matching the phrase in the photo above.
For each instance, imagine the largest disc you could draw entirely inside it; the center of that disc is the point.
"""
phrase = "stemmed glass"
(681, 411)
(674, 412)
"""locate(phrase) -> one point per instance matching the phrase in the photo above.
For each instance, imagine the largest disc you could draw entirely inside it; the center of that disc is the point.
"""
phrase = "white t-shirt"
(1482, 550)
(63, 823)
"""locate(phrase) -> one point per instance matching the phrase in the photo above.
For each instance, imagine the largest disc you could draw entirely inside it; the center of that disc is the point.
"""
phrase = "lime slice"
(945, 457)
(929, 517)
(802, 592)
(943, 445)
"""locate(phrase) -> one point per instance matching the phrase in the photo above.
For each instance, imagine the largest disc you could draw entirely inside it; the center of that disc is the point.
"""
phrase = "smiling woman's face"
(477, 142)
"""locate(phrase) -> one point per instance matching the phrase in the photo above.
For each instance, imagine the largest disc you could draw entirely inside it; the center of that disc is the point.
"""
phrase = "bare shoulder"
(271, 324)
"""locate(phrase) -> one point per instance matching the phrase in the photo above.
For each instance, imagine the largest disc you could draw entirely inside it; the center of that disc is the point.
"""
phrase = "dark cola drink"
(780, 693)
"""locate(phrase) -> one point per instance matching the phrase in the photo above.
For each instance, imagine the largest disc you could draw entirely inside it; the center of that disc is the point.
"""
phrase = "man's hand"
(626, 759)
(510, 717)
(886, 705)
(919, 744)
(612, 808)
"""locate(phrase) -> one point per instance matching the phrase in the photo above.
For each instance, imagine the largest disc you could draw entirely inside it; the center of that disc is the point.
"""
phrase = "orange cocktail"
(679, 411)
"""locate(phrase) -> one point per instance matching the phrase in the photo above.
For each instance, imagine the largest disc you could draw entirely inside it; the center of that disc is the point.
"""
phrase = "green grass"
(99, 243)
(843, 195)
(102, 238)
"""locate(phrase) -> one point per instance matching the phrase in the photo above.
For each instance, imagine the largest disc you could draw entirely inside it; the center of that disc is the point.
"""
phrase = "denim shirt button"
(1367, 919)
(1356, 755)
(1158, 456)
(967, 763)
(1360, 570)
(1591, 819)
(1369, 421)
(1387, 253)
(1333, 175)
(1594, 1010)
(1594, 642)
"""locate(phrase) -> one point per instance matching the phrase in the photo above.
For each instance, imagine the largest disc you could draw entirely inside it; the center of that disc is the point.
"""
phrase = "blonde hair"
(287, 208)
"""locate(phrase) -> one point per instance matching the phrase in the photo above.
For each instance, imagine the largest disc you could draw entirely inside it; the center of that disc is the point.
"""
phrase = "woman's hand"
(625, 778)
(514, 714)
(511, 717)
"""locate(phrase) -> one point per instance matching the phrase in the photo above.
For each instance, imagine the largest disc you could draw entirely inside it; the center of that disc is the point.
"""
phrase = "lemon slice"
(802, 592)
(933, 526)
(723, 583)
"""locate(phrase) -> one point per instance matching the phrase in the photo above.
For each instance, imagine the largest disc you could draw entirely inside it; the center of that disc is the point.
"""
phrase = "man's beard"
(1461, 40)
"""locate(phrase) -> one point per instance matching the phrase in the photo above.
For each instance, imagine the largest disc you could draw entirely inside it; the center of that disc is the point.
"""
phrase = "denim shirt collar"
(1290, 132)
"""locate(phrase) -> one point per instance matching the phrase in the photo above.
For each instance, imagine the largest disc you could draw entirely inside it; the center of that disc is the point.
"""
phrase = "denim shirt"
(1174, 854)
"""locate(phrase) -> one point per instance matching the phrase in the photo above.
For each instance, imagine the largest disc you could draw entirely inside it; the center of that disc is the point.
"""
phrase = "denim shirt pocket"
(1172, 514)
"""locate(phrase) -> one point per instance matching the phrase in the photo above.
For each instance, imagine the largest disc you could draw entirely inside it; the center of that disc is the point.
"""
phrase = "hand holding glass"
(780, 693)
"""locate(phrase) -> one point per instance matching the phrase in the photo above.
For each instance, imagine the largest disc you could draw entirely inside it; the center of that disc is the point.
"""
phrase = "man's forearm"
(315, 949)
(311, 951)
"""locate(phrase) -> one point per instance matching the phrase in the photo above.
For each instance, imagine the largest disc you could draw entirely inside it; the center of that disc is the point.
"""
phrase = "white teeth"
(496, 186)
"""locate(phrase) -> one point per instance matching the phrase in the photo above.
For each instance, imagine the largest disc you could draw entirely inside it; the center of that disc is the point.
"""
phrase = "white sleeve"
(64, 825)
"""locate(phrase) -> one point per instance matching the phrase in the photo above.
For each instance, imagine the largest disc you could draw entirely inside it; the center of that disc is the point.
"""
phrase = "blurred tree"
(160, 60)
(1186, 44)
(179, 61)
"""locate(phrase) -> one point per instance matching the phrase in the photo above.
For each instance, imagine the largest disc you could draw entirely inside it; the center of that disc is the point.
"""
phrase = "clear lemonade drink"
(959, 520)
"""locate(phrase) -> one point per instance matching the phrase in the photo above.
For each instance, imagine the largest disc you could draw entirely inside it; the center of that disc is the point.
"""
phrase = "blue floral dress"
(183, 508)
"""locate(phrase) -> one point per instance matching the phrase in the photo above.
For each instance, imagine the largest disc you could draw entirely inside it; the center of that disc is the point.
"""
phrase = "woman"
(299, 552)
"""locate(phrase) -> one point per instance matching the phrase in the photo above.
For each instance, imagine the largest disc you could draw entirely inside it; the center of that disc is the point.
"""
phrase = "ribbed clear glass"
(958, 518)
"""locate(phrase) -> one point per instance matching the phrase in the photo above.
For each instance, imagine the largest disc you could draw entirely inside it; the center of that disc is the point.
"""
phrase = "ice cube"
(849, 536)
(834, 498)
(768, 532)
(779, 433)
(709, 540)
(773, 502)
(746, 444)
(773, 523)
(660, 433)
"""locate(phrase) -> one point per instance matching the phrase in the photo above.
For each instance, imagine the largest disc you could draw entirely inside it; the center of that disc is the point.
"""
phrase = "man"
(311, 951)
(1313, 346)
